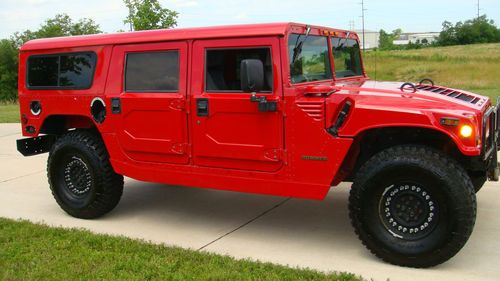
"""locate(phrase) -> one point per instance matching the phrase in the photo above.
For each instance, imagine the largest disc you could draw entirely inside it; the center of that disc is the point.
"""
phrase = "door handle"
(202, 107)
(264, 104)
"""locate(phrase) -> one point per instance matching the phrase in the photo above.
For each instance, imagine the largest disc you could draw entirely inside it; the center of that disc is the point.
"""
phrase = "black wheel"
(80, 175)
(412, 206)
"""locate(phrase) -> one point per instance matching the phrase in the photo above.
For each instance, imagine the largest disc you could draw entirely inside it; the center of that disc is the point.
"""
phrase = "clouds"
(423, 15)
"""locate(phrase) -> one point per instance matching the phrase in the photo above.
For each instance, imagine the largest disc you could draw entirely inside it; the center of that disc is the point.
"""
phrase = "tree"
(149, 14)
(385, 40)
(478, 30)
(8, 70)
(60, 25)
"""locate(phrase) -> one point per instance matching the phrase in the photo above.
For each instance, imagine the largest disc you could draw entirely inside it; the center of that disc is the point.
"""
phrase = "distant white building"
(372, 38)
(420, 37)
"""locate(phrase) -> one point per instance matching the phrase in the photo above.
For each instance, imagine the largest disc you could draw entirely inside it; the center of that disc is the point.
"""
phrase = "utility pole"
(351, 25)
(478, 9)
(130, 18)
(363, 22)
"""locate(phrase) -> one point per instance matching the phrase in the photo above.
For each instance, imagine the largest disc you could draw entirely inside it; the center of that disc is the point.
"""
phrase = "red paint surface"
(158, 137)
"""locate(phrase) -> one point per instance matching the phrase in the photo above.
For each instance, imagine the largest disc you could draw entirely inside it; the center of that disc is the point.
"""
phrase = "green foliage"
(478, 30)
(36, 252)
(386, 41)
(60, 25)
(149, 14)
(8, 70)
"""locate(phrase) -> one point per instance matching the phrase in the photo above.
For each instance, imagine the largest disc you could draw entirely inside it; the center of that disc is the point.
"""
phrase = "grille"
(313, 109)
(490, 123)
(450, 93)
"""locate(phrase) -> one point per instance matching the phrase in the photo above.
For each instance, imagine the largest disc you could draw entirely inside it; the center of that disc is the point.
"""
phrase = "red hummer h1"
(281, 109)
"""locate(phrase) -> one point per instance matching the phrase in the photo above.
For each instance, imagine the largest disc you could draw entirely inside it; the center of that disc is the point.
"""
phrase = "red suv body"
(283, 109)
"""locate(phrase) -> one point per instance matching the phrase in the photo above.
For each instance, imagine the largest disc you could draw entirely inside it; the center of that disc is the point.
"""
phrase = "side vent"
(315, 109)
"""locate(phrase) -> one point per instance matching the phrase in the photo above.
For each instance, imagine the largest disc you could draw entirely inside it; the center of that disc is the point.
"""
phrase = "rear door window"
(152, 72)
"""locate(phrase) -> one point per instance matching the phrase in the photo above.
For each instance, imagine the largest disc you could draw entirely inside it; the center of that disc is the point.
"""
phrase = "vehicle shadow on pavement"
(315, 225)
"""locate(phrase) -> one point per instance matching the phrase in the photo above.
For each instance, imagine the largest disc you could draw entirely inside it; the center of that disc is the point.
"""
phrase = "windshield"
(313, 63)
(346, 57)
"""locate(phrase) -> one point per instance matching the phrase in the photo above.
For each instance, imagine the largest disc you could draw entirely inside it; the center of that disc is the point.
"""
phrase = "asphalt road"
(294, 232)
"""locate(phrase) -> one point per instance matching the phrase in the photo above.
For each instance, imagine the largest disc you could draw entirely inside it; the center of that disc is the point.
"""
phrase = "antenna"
(363, 21)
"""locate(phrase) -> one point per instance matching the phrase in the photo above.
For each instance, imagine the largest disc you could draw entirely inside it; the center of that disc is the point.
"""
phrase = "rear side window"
(222, 68)
(61, 71)
(152, 72)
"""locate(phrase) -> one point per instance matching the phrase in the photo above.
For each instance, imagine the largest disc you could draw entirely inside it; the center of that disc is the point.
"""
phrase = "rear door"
(153, 120)
(228, 129)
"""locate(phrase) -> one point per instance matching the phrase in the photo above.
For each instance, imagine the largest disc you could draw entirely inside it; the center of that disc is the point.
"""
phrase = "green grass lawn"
(9, 113)
(470, 67)
(36, 252)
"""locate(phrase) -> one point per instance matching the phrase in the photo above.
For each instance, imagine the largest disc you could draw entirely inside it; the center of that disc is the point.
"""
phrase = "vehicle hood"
(376, 93)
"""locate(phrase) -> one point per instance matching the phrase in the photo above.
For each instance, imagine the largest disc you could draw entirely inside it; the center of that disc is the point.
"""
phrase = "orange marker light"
(448, 121)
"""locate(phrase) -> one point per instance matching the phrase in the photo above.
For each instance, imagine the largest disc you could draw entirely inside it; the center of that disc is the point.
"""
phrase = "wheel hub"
(408, 211)
(77, 176)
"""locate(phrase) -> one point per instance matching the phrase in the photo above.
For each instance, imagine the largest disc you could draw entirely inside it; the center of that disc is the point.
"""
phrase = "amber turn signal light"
(448, 121)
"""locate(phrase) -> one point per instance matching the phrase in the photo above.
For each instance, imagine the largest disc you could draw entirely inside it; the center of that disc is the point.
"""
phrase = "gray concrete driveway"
(294, 232)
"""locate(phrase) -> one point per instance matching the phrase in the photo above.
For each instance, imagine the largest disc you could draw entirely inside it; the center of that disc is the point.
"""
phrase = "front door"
(228, 129)
(153, 125)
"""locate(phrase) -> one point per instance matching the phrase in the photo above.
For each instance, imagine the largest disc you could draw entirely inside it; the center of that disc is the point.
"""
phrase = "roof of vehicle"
(246, 30)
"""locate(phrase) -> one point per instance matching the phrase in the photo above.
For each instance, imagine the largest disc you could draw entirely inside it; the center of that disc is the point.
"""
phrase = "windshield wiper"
(341, 45)
(297, 49)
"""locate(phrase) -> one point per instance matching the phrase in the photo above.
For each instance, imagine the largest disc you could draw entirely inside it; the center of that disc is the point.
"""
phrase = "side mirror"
(252, 75)
(347, 63)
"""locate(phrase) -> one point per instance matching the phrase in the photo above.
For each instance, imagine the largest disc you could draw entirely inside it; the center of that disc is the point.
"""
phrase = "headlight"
(466, 131)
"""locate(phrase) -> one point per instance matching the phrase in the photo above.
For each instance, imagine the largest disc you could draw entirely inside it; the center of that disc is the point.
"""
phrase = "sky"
(411, 16)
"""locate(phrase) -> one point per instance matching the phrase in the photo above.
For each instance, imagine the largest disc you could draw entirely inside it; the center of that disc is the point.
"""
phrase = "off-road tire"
(81, 177)
(478, 182)
(398, 173)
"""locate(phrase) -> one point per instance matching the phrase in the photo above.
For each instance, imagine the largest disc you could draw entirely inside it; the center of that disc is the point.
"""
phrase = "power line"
(351, 25)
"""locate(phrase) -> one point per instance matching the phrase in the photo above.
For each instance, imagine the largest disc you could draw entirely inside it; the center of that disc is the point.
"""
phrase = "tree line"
(144, 15)
(474, 31)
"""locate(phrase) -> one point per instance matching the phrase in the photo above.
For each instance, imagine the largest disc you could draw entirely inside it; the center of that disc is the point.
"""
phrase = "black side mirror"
(347, 63)
(252, 75)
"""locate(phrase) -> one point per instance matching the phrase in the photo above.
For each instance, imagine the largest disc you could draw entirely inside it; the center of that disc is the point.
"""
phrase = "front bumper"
(490, 141)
